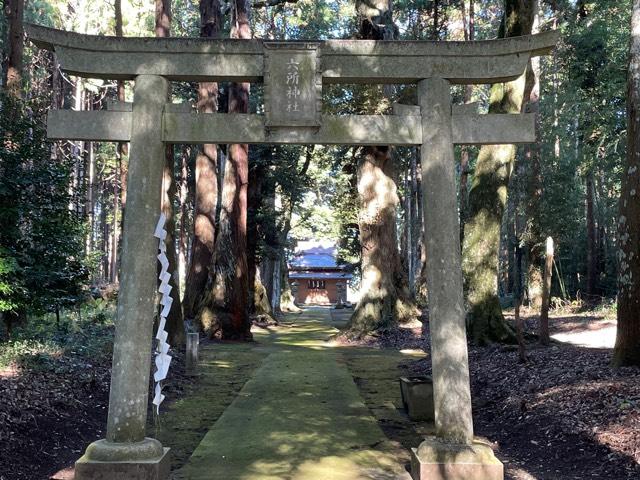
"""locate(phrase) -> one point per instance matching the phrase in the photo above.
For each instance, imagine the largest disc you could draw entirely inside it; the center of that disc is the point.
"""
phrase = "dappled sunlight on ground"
(300, 416)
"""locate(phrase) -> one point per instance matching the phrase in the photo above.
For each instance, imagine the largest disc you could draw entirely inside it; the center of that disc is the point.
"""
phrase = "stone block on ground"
(417, 397)
(437, 460)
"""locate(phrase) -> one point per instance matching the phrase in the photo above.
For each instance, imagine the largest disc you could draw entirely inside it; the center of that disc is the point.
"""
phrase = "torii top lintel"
(341, 61)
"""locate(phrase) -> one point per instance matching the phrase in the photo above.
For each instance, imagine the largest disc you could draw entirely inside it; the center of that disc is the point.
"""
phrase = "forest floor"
(566, 414)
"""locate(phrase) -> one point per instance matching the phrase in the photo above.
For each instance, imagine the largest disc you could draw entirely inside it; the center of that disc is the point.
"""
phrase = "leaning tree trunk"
(384, 292)
(627, 349)
(175, 325)
(487, 200)
(226, 305)
(206, 197)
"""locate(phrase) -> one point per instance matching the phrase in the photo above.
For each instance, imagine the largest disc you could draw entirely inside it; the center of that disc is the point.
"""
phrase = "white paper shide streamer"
(163, 359)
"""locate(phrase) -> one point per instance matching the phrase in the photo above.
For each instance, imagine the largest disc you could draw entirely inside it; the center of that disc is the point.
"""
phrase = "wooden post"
(546, 294)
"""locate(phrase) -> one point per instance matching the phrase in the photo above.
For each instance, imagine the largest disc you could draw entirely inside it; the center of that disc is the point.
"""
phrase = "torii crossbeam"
(293, 74)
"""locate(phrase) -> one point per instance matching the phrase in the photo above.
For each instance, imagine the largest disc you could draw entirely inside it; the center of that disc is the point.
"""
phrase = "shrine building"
(315, 269)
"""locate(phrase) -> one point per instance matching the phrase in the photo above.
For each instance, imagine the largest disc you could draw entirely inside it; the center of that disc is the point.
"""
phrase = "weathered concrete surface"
(99, 125)
(137, 298)
(150, 469)
(343, 61)
(334, 130)
(299, 417)
(400, 130)
(450, 365)
(126, 453)
(436, 460)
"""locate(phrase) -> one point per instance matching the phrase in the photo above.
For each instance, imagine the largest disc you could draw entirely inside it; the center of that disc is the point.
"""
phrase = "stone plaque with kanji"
(292, 85)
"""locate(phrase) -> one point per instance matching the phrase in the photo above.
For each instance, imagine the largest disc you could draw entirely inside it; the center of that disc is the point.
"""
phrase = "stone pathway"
(299, 417)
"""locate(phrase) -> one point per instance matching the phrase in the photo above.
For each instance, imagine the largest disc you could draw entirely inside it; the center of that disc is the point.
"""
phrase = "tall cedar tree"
(120, 192)
(226, 308)
(175, 325)
(206, 195)
(14, 11)
(627, 349)
(488, 197)
(385, 298)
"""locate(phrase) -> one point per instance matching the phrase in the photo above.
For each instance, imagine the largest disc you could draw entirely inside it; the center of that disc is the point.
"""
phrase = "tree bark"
(227, 301)
(257, 172)
(175, 323)
(206, 195)
(487, 200)
(385, 299)
(14, 12)
(627, 349)
(120, 182)
(592, 247)
(184, 207)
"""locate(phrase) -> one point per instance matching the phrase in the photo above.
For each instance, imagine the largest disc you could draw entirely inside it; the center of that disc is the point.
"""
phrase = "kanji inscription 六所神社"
(292, 85)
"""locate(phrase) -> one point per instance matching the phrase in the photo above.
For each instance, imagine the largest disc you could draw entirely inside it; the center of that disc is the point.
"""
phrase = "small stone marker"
(193, 340)
(340, 287)
(294, 292)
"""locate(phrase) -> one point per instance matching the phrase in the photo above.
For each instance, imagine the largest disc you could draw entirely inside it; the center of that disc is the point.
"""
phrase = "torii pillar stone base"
(111, 461)
(436, 460)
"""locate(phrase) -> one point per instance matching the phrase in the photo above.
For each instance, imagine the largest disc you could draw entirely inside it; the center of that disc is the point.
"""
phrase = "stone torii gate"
(293, 74)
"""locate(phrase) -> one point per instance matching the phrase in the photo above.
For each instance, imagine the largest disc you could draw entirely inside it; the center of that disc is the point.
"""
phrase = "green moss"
(222, 372)
(299, 416)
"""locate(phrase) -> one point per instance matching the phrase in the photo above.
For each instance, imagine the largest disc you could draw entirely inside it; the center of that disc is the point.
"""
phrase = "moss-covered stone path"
(300, 416)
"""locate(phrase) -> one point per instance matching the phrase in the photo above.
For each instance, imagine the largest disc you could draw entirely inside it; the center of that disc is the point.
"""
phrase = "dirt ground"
(566, 414)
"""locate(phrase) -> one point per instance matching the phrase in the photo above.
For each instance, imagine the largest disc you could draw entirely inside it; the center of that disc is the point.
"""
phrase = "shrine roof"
(315, 255)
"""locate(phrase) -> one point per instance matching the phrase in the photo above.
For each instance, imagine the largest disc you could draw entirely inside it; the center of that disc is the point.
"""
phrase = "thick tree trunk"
(14, 12)
(206, 195)
(259, 299)
(627, 349)
(227, 301)
(175, 322)
(488, 198)
(287, 302)
(385, 299)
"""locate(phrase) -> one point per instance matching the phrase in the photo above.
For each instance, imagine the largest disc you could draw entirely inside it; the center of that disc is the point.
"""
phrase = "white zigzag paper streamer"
(163, 359)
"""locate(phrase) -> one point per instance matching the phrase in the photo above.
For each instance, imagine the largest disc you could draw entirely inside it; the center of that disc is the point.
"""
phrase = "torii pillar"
(126, 453)
(453, 453)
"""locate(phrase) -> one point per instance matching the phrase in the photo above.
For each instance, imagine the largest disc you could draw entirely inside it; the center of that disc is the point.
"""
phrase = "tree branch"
(226, 7)
(270, 3)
